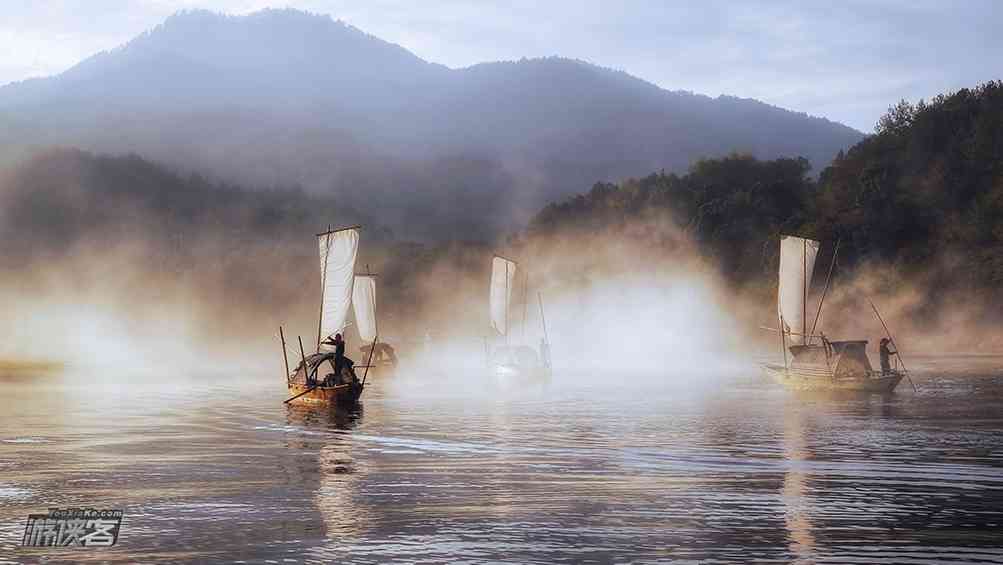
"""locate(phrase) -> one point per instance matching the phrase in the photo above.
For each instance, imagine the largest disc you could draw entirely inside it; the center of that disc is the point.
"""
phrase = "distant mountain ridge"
(283, 96)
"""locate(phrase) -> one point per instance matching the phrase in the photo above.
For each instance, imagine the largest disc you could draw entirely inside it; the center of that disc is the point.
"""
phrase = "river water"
(435, 469)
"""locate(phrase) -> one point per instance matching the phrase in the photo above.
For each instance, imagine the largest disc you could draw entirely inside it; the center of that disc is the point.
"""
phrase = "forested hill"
(62, 199)
(925, 192)
(283, 96)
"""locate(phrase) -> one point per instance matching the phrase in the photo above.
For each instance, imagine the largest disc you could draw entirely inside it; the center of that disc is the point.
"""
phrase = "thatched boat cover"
(313, 362)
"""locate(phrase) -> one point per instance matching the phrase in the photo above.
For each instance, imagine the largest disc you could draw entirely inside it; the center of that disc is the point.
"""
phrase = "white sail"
(797, 263)
(502, 274)
(337, 272)
(364, 303)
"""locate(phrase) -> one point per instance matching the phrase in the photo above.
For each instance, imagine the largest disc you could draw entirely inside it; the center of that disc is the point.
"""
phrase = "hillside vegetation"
(924, 194)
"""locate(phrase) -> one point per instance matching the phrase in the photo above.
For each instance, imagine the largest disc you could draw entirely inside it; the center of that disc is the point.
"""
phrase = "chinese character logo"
(83, 527)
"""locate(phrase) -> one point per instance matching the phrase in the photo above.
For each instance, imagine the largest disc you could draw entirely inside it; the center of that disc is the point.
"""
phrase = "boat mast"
(783, 340)
(323, 283)
(525, 302)
(507, 294)
(804, 292)
(825, 290)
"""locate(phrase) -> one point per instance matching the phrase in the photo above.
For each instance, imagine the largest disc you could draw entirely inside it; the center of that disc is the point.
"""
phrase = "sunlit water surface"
(580, 469)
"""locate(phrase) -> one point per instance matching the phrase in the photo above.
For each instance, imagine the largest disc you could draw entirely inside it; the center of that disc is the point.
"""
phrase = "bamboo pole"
(369, 362)
(288, 400)
(306, 370)
(285, 358)
(546, 338)
(892, 340)
(306, 374)
(783, 341)
(330, 231)
(543, 318)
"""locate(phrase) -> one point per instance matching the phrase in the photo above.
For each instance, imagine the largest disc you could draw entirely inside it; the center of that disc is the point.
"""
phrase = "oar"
(287, 401)
(892, 339)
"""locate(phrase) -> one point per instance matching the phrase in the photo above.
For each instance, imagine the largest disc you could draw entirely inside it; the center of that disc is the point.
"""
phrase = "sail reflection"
(795, 490)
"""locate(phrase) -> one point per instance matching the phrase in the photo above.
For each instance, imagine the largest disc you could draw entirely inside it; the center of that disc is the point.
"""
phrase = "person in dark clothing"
(340, 361)
(339, 356)
(886, 354)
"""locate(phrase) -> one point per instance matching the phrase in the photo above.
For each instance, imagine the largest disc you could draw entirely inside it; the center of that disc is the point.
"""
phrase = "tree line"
(924, 192)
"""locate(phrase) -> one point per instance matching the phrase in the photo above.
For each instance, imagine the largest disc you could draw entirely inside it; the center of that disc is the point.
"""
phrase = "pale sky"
(845, 60)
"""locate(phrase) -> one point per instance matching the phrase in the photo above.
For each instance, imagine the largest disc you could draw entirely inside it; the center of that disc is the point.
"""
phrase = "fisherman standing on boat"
(886, 353)
(339, 355)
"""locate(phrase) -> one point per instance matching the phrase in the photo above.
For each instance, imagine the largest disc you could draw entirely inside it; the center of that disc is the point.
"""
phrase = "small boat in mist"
(316, 378)
(506, 360)
(381, 355)
(815, 362)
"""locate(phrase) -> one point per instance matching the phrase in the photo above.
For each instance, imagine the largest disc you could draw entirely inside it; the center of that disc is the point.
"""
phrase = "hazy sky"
(845, 60)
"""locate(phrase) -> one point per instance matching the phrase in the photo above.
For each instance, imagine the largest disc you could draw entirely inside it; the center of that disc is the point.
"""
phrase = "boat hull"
(794, 379)
(346, 394)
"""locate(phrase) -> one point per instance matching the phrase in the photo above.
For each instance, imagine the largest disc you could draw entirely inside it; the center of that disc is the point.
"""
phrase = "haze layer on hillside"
(286, 97)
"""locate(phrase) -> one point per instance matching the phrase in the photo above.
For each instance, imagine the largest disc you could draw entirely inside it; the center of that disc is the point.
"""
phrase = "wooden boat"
(833, 366)
(311, 381)
(814, 362)
(513, 362)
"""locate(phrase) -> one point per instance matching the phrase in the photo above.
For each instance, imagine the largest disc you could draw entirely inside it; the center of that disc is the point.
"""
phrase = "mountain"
(282, 96)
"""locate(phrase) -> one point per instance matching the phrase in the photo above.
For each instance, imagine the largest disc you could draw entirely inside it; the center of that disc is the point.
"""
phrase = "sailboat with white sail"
(507, 360)
(811, 360)
(310, 381)
(381, 355)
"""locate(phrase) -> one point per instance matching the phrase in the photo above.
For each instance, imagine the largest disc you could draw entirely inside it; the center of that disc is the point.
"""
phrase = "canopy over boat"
(338, 250)
(313, 369)
(502, 275)
(797, 263)
(364, 303)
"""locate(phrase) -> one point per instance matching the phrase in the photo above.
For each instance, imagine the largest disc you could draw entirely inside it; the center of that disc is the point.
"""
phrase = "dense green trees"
(925, 191)
(728, 206)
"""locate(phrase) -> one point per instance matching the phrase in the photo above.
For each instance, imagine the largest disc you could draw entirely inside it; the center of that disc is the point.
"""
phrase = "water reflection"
(339, 473)
(578, 471)
(795, 490)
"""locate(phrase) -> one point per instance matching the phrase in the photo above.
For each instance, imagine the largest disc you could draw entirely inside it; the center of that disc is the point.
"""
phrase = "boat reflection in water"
(322, 448)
